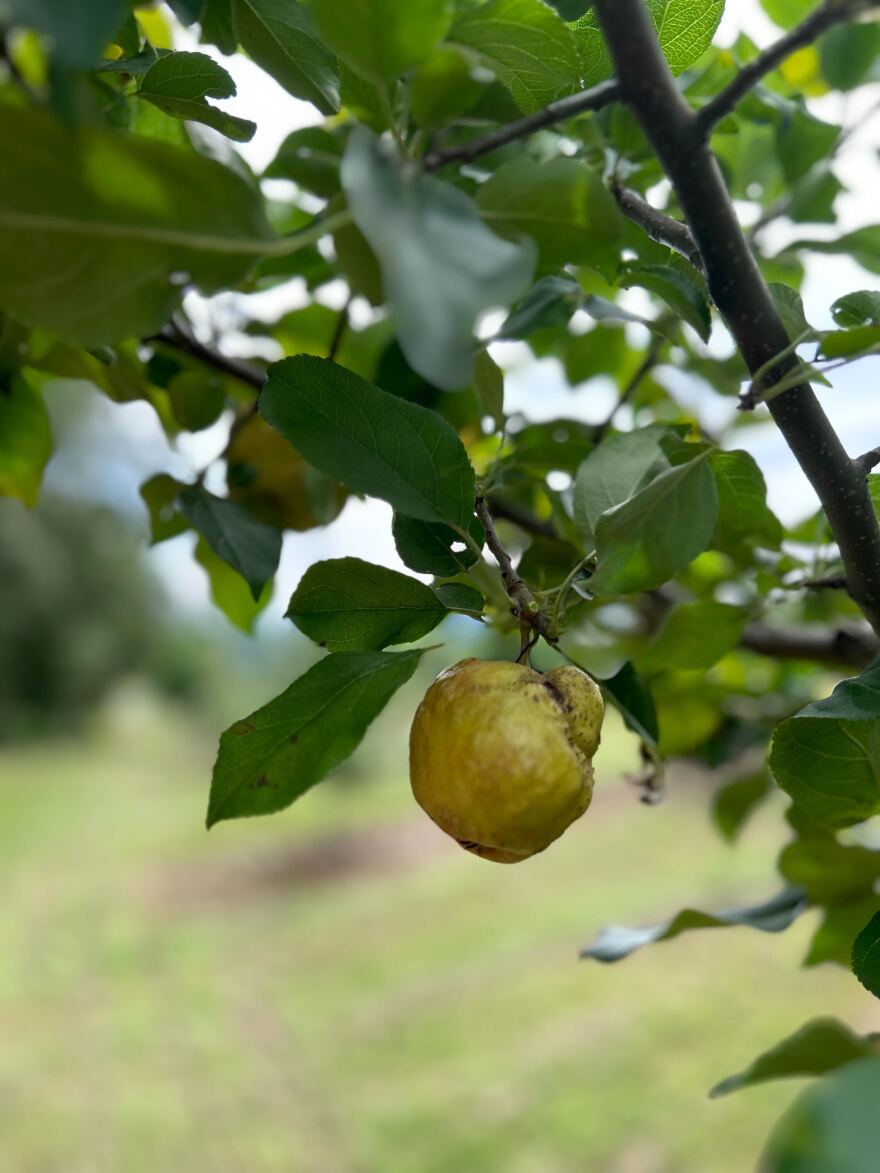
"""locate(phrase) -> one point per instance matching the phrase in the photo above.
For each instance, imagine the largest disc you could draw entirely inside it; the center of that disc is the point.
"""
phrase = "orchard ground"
(171, 1000)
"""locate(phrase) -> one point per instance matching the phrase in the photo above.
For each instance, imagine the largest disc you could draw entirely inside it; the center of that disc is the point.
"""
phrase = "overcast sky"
(127, 444)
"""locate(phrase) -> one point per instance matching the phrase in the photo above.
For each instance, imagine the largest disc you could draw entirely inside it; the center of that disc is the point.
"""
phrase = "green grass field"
(339, 989)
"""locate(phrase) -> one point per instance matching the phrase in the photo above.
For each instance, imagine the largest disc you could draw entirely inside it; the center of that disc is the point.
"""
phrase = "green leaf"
(249, 547)
(851, 343)
(275, 755)
(365, 101)
(743, 515)
(866, 956)
(613, 473)
(281, 37)
(685, 295)
(370, 440)
(218, 27)
(347, 605)
(826, 756)
(445, 86)
(821, 1045)
(547, 562)
(417, 225)
(197, 399)
(381, 39)
(787, 13)
(829, 872)
(128, 36)
(229, 592)
(160, 494)
(773, 917)
(631, 696)
(77, 37)
(841, 924)
(862, 245)
(138, 65)
(734, 803)
(428, 548)
(528, 46)
(685, 29)
(791, 309)
(25, 440)
(802, 142)
(458, 596)
(311, 157)
(856, 699)
(849, 54)
(813, 198)
(832, 1127)
(356, 259)
(657, 533)
(563, 205)
(100, 232)
(179, 84)
(857, 309)
(695, 635)
(557, 444)
(187, 11)
(551, 302)
(489, 386)
(874, 491)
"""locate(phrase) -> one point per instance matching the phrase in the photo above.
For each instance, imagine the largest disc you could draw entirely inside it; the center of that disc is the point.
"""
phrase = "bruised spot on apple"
(501, 755)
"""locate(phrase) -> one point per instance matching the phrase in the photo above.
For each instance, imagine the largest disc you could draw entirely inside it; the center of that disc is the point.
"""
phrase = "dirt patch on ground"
(283, 871)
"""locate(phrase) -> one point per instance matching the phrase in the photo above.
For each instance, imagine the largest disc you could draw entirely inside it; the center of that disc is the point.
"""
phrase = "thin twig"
(819, 21)
(525, 606)
(179, 336)
(834, 582)
(660, 227)
(647, 365)
(593, 99)
(339, 331)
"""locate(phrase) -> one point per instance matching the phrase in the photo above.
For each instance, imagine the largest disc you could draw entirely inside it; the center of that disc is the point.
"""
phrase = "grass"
(339, 989)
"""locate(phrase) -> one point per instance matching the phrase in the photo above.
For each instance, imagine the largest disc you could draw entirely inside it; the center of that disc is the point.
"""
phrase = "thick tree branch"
(740, 291)
(660, 227)
(819, 21)
(594, 99)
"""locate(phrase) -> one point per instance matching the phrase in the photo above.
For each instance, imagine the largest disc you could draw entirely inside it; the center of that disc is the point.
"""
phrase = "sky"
(126, 444)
